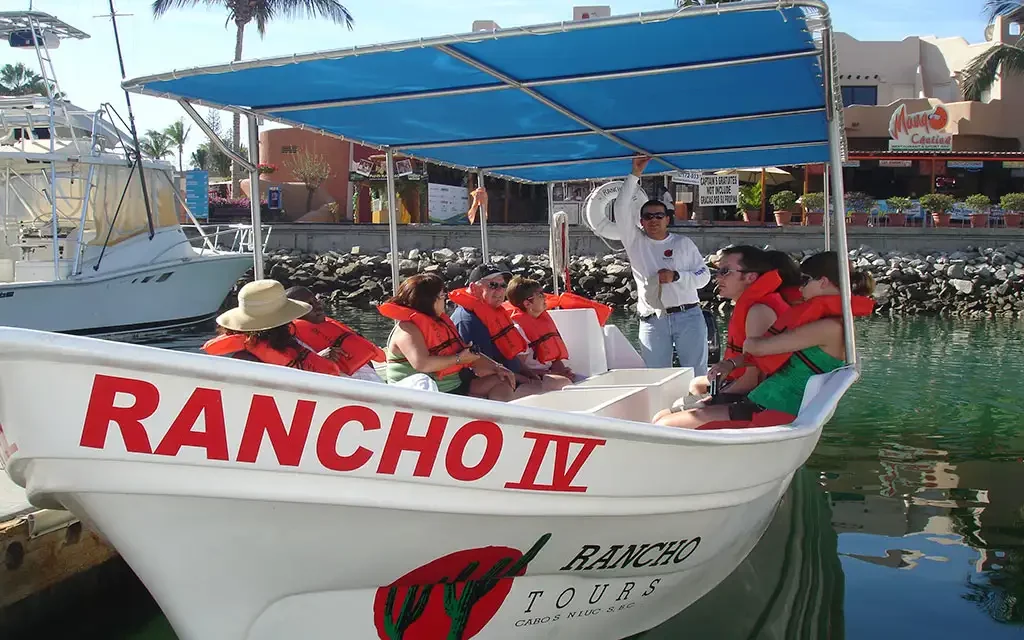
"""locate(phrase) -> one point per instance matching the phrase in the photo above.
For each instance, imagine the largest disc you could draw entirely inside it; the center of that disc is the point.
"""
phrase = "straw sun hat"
(262, 305)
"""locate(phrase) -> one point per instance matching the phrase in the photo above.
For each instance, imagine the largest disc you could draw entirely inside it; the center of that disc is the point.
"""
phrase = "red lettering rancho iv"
(338, 442)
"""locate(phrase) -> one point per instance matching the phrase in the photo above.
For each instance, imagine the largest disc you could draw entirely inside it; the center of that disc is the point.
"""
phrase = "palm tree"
(155, 145)
(18, 80)
(980, 73)
(176, 134)
(242, 12)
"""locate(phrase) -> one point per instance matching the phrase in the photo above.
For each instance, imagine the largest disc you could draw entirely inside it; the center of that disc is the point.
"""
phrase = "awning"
(732, 85)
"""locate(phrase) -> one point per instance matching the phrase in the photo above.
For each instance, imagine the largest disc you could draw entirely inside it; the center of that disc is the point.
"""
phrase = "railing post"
(254, 198)
(485, 251)
(392, 218)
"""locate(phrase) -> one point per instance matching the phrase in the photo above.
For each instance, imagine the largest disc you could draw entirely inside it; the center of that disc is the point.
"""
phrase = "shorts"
(746, 414)
(466, 376)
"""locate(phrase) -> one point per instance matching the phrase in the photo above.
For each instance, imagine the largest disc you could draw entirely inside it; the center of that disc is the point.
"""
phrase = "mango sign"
(920, 131)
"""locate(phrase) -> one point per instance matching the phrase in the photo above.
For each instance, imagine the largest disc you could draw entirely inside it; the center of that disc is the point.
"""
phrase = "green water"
(907, 521)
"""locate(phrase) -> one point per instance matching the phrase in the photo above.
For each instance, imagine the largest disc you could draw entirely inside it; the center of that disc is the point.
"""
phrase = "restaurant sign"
(920, 131)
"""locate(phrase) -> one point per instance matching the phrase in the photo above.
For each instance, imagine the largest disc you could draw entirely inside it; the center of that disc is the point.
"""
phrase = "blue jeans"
(685, 330)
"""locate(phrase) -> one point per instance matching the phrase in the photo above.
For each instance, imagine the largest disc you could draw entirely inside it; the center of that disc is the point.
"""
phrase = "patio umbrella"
(772, 175)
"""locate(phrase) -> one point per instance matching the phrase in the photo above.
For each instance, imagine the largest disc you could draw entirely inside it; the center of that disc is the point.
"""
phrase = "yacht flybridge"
(261, 502)
(90, 240)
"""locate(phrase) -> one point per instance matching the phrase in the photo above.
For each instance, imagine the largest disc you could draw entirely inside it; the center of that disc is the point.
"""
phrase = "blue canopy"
(738, 85)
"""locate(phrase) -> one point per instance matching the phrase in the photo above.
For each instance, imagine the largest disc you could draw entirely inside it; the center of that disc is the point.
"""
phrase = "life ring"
(599, 209)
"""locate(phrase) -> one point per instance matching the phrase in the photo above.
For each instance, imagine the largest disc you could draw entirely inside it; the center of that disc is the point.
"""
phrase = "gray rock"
(963, 286)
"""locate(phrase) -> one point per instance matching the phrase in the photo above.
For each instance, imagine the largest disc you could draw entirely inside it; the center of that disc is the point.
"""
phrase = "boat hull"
(258, 501)
(132, 300)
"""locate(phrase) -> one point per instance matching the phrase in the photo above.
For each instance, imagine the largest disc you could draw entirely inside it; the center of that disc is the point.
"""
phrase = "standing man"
(668, 269)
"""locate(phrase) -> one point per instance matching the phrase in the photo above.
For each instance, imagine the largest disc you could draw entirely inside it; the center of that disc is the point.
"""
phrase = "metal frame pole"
(392, 218)
(551, 236)
(254, 198)
(835, 134)
(828, 209)
(485, 251)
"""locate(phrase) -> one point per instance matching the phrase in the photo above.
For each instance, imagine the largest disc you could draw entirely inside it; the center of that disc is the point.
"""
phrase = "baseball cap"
(487, 270)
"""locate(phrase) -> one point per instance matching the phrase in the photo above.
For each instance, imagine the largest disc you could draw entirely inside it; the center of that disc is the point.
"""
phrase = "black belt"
(685, 307)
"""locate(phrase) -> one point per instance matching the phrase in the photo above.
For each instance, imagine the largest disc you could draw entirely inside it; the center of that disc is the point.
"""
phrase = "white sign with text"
(719, 191)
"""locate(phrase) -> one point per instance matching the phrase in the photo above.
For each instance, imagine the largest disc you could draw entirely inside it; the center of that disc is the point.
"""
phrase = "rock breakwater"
(975, 282)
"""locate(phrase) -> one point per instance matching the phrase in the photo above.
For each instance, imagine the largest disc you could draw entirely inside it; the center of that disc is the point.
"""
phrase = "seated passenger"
(426, 341)
(789, 271)
(546, 352)
(808, 339)
(482, 322)
(335, 341)
(259, 329)
(747, 277)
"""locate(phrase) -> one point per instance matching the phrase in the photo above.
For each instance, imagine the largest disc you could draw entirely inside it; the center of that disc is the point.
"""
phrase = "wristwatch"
(458, 358)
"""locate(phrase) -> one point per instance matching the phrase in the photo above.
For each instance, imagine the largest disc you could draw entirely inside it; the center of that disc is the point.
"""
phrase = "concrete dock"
(42, 550)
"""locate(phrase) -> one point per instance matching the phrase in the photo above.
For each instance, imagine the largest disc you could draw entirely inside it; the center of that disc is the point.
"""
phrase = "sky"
(88, 72)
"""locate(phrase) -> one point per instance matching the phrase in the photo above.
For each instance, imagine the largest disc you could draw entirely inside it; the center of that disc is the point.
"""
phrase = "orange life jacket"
(792, 295)
(570, 301)
(543, 336)
(506, 339)
(440, 334)
(762, 291)
(354, 351)
(295, 357)
(807, 312)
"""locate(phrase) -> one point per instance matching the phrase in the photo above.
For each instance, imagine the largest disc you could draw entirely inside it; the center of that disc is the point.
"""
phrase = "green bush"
(898, 204)
(1012, 202)
(978, 203)
(937, 202)
(783, 200)
(814, 202)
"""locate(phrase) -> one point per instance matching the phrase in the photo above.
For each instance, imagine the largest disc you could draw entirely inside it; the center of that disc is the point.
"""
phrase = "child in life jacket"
(259, 329)
(353, 353)
(545, 352)
(806, 340)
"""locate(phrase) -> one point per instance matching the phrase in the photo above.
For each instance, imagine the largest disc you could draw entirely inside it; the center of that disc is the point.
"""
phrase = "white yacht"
(81, 249)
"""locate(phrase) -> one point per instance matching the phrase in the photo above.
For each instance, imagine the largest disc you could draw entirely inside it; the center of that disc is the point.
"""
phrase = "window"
(860, 95)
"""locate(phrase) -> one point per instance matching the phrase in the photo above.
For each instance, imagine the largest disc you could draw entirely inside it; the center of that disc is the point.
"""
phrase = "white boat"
(81, 251)
(261, 502)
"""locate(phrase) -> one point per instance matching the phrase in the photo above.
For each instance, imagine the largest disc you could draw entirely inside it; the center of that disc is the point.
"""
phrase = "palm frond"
(160, 7)
(330, 9)
(994, 8)
(980, 73)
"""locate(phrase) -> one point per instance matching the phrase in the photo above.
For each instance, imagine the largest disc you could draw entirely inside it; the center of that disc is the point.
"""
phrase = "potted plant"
(750, 202)
(1012, 205)
(858, 208)
(814, 208)
(938, 204)
(783, 203)
(265, 168)
(978, 204)
(897, 214)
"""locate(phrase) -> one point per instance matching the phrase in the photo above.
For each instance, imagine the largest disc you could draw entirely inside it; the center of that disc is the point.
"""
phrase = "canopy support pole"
(828, 210)
(214, 138)
(551, 234)
(254, 197)
(485, 250)
(835, 134)
(393, 218)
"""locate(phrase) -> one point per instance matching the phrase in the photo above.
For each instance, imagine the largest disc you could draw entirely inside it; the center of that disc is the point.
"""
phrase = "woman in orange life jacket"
(426, 341)
(259, 330)
(746, 276)
(808, 339)
(338, 343)
(545, 353)
(790, 273)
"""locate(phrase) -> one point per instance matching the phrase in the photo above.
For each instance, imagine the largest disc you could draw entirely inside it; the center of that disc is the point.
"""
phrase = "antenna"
(131, 122)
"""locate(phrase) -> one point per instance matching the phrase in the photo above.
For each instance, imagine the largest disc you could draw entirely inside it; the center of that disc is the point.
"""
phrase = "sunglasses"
(724, 271)
(653, 216)
(806, 279)
(495, 285)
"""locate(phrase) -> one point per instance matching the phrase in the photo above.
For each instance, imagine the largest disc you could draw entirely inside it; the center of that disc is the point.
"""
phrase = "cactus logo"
(452, 597)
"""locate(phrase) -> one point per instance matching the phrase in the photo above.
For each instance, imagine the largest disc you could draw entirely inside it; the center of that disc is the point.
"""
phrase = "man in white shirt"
(668, 269)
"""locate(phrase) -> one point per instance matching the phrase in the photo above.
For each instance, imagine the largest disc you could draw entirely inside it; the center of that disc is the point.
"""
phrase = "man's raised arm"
(625, 220)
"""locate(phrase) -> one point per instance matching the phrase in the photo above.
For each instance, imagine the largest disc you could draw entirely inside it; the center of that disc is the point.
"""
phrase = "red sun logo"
(938, 120)
(668, 253)
(452, 597)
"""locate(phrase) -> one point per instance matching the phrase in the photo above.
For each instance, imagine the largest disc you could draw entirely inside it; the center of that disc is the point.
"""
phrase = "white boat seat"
(618, 350)
(584, 339)
(822, 395)
(624, 403)
(661, 386)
